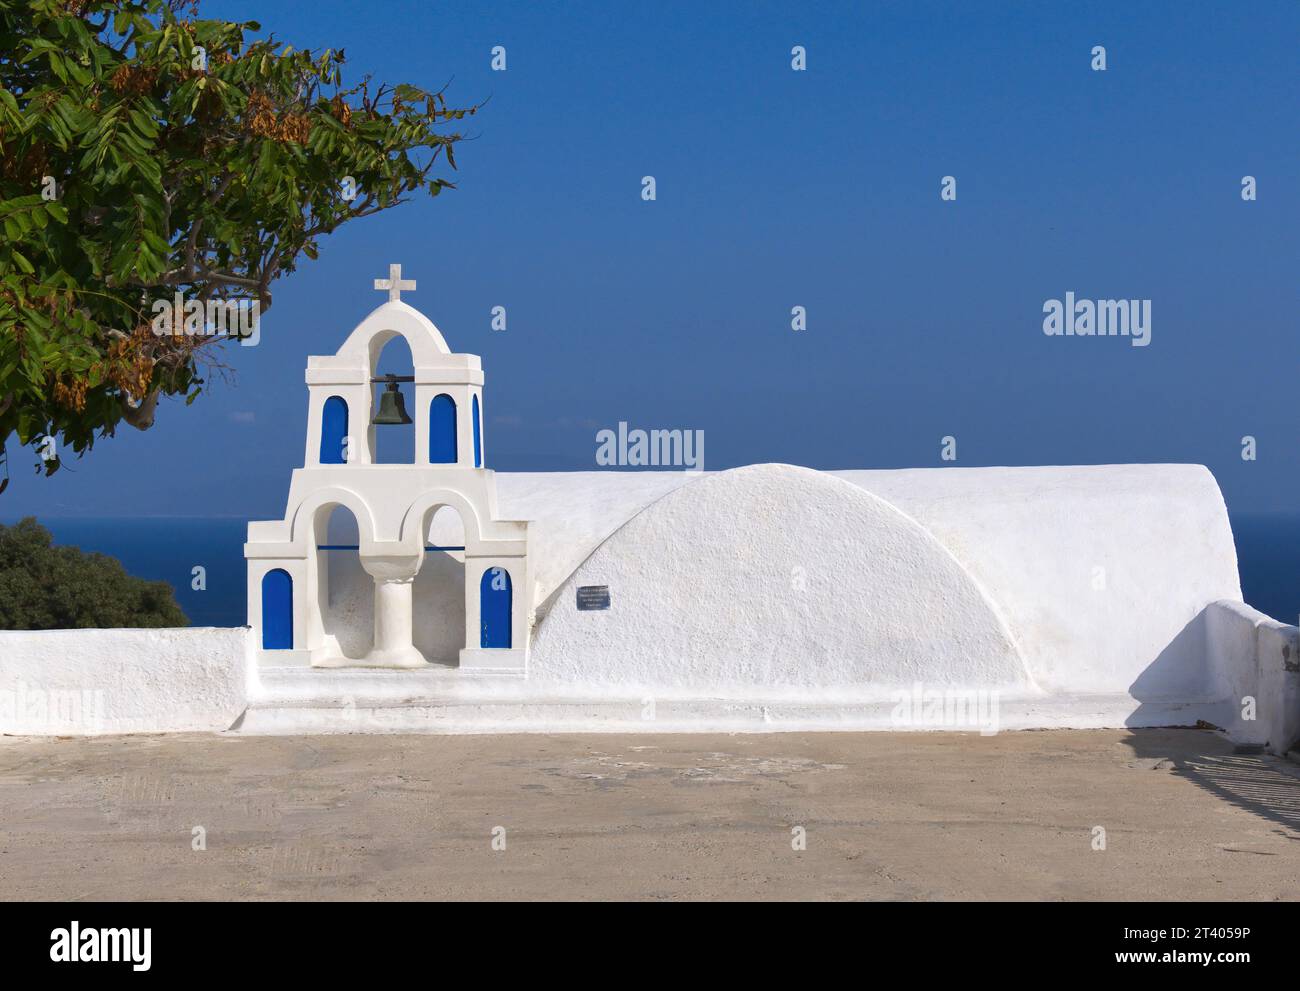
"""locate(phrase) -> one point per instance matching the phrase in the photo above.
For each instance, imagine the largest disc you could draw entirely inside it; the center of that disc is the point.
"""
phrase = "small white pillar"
(394, 646)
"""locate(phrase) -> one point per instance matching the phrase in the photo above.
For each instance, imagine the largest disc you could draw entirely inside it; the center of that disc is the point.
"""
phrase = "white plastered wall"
(90, 682)
(1102, 572)
(773, 580)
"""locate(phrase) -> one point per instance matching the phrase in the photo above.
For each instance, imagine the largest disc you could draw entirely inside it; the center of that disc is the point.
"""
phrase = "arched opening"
(393, 444)
(438, 620)
(334, 431)
(442, 430)
(345, 592)
(277, 610)
(494, 608)
(478, 438)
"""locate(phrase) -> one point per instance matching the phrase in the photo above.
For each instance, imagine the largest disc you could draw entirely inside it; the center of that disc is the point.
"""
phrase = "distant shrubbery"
(43, 587)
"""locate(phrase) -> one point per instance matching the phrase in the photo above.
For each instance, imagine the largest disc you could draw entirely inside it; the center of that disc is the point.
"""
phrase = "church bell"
(392, 406)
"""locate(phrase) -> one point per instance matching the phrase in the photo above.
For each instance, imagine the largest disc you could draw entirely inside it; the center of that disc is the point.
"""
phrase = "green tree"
(145, 152)
(43, 587)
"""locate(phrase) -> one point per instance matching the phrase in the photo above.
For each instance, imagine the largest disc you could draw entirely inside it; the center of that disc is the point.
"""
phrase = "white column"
(393, 645)
(474, 569)
(424, 394)
(464, 427)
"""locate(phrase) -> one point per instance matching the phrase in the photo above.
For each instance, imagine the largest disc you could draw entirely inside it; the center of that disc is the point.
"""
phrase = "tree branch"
(140, 417)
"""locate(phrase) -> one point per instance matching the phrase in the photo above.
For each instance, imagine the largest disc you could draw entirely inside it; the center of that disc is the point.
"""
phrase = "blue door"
(442, 430)
(478, 440)
(333, 431)
(277, 610)
(494, 608)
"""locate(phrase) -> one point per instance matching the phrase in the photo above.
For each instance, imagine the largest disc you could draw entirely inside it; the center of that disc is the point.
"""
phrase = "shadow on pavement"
(1261, 783)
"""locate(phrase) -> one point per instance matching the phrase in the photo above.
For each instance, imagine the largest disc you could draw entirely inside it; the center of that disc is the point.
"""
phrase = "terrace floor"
(883, 816)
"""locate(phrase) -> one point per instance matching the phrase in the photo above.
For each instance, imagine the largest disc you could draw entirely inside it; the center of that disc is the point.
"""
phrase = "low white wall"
(1255, 660)
(88, 682)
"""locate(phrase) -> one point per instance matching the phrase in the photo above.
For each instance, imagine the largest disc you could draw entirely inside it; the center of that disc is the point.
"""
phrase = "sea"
(170, 548)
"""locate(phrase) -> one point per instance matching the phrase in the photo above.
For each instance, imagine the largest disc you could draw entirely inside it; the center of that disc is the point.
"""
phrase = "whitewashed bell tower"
(393, 505)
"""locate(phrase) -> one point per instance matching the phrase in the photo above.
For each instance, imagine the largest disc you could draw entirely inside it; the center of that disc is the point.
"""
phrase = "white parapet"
(91, 682)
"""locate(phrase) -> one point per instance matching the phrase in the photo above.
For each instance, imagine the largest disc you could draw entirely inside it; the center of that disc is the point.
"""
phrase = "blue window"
(277, 610)
(494, 608)
(442, 430)
(478, 440)
(333, 431)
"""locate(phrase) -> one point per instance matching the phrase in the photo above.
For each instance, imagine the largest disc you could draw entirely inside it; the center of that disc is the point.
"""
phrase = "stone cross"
(394, 284)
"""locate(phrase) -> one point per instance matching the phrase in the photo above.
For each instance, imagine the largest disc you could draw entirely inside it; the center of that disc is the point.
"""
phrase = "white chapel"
(761, 597)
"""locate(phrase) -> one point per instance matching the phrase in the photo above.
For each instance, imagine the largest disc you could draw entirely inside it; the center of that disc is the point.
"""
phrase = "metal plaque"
(593, 597)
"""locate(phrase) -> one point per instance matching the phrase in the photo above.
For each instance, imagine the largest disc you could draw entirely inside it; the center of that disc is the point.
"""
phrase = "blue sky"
(820, 188)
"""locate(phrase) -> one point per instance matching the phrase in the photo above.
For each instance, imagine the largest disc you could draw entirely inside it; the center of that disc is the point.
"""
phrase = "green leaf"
(121, 128)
